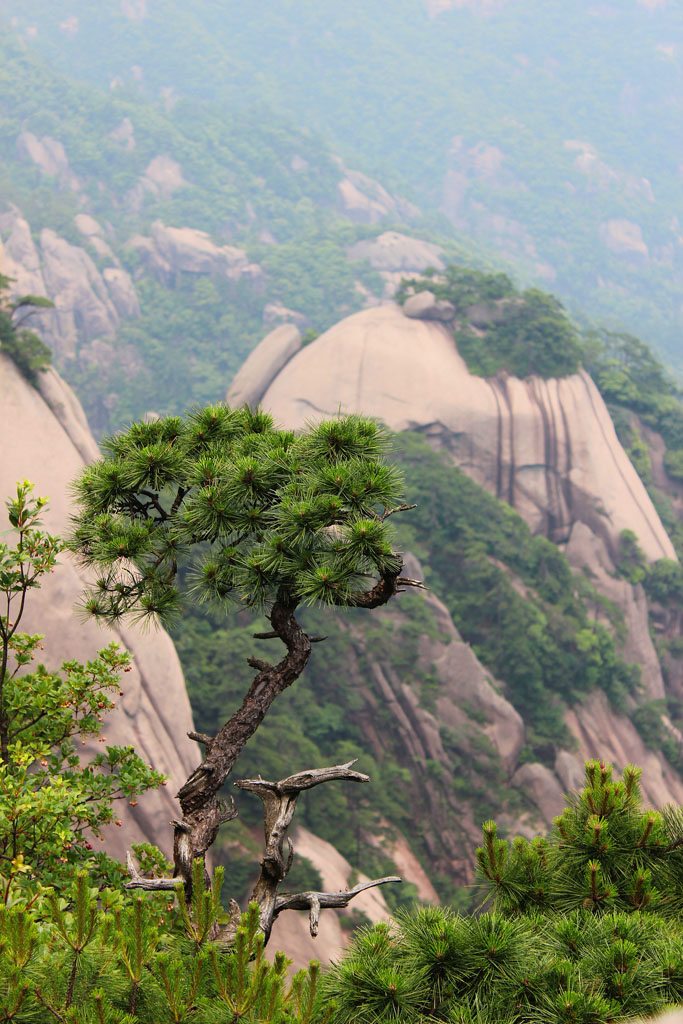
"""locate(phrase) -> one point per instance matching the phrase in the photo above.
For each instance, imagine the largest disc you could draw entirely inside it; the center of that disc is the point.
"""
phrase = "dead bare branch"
(227, 813)
(276, 636)
(260, 666)
(405, 581)
(200, 737)
(138, 881)
(314, 902)
(390, 511)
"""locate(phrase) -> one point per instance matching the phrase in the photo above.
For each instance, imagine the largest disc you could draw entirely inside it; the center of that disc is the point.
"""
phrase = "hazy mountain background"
(181, 180)
(550, 132)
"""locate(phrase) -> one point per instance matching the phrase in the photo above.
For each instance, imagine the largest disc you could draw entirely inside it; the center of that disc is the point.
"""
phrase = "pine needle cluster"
(584, 927)
(268, 512)
(99, 957)
(605, 853)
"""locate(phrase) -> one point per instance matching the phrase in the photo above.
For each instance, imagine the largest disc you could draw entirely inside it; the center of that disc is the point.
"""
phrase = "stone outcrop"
(171, 251)
(93, 234)
(265, 362)
(46, 440)
(542, 786)
(363, 199)
(122, 292)
(162, 177)
(48, 154)
(124, 134)
(396, 256)
(19, 257)
(624, 237)
(602, 733)
(83, 306)
(425, 306)
(393, 252)
(89, 303)
(548, 447)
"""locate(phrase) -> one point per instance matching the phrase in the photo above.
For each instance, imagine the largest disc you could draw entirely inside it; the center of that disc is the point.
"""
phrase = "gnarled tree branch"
(314, 902)
(202, 811)
(279, 801)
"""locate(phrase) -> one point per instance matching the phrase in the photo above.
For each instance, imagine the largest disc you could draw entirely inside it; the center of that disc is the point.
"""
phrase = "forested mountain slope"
(547, 129)
(170, 238)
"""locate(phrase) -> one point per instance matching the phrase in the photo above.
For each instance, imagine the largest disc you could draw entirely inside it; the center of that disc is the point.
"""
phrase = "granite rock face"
(395, 256)
(82, 301)
(363, 199)
(425, 306)
(547, 447)
(48, 154)
(268, 358)
(46, 440)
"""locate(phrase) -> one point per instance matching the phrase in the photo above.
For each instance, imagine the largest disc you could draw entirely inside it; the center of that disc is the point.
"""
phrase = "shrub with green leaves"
(528, 333)
(53, 803)
(584, 927)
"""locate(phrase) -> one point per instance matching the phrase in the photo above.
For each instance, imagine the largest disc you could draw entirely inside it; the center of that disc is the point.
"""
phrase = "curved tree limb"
(202, 810)
(203, 813)
(314, 902)
(279, 801)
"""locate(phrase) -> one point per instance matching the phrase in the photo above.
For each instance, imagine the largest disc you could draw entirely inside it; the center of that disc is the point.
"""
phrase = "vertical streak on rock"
(615, 460)
(566, 476)
(499, 441)
(512, 462)
(556, 471)
(548, 455)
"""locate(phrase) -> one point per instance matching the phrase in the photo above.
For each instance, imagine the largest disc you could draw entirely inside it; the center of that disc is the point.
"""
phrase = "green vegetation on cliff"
(542, 128)
(24, 347)
(527, 333)
(246, 176)
(513, 596)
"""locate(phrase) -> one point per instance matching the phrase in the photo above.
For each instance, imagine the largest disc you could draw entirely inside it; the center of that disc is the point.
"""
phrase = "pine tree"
(89, 956)
(606, 853)
(275, 521)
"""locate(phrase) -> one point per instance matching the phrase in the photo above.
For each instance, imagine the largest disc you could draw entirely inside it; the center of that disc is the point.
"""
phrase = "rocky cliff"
(89, 303)
(45, 439)
(546, 447)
